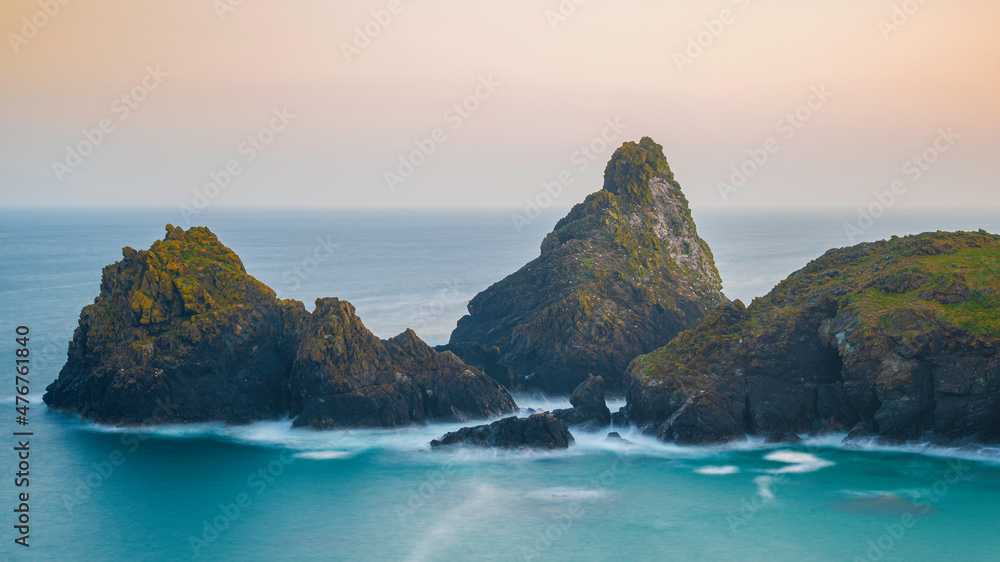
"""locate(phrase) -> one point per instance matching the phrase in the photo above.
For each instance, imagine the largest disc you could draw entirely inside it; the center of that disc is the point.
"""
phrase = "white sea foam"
(542, 403)
(718, 470)
(965, 452)
(764, 487)
(797, 462)
(324, 455)
(280, 434)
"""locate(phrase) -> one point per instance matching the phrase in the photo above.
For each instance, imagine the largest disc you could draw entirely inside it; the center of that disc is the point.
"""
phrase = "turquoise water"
(266, 492)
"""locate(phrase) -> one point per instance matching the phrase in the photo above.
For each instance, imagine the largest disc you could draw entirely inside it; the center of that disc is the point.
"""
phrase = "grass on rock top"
(897, 288)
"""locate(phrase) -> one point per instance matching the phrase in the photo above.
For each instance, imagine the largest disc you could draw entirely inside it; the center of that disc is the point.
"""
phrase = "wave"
(798, 458)
(978, 453)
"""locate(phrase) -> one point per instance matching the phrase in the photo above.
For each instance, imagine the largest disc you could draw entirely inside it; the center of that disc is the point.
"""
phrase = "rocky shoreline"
(895, 340)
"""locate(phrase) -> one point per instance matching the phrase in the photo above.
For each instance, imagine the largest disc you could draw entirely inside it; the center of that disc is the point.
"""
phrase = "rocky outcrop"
(590, 411)
(897, 338)
(538, 431)
(178, 333)
(621, 275)
(181, 333)
(344, 376)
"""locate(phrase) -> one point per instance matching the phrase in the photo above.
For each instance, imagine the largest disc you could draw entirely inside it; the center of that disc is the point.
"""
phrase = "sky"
(759, 104)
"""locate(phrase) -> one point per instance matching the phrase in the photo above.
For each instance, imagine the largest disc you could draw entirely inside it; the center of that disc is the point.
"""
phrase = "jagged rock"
(485, 359)
(869, 337)
(589, 408)
(539, 431)
(181, 333)
(344, 376)
(621, 275)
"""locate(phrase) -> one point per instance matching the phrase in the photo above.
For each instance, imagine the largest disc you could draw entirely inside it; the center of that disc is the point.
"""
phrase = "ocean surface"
(267, 492)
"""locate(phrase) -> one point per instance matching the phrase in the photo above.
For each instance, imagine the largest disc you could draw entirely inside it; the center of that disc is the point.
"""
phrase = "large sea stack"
(621, 275)
(181, 333)
(897, 339)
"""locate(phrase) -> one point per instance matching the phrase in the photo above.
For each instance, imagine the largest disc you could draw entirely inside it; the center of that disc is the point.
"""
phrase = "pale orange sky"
(557, 87)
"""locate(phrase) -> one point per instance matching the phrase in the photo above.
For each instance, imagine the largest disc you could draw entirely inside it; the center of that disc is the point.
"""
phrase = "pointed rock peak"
(407, 337)
(631, 168)
(409, 341)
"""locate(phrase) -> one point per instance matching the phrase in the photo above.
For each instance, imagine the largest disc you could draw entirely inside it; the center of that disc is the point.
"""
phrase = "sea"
(265, 491)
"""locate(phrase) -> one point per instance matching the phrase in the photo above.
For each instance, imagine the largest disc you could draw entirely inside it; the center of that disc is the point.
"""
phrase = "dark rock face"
(589, 408)
(538, 431)
(621, 275)
(485, 359)
(181, 333)
(869, 337)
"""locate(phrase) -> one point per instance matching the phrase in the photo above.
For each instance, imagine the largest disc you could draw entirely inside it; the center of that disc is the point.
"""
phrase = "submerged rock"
(539, 431)
(589, 408)
(181, 333)
(621, 275)
(616, 437)
(869, 337)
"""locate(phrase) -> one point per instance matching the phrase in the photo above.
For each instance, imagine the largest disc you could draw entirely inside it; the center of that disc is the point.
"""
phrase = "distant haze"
(887, 80)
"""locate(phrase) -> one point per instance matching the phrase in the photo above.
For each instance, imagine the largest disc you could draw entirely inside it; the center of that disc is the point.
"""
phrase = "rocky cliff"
(897, 339)
(181, 333)
(621, 275)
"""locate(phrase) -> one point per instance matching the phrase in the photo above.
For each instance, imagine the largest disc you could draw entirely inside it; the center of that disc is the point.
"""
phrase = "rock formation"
(621, 275)
(590, 411)
(538, 431)
(344, 376)
(897, 339)
(181, 333)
